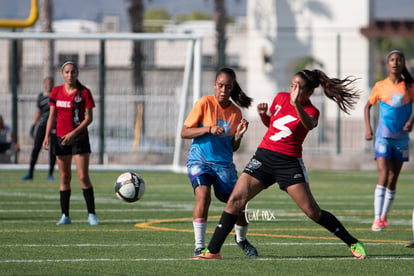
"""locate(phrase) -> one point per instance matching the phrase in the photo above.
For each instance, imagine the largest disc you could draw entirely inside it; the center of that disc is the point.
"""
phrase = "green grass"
(154, 235)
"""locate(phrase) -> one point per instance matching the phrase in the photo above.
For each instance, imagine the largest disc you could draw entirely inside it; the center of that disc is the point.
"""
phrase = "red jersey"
(70, 108)
(286, 132)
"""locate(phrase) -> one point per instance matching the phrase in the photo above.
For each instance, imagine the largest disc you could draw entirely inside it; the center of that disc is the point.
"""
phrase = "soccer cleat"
(377, 225)
(93, 220)
(64, 220)
(206, 255)
(358, 250)
(198, 251)
(410, 244)
(247, 248)
(50, 178)
(28, 176)
(384, 221)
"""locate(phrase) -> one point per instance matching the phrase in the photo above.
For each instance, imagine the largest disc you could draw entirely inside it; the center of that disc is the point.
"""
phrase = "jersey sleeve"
(194, 117)
(53, 96)
(38, 101)
(375, 94)
(314, 113)
(272, 108)
(411, 92)
(89, 102)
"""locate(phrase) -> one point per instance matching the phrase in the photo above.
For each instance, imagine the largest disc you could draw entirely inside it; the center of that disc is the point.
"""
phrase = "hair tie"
(306, 75)
(393, 52)
(69, 62)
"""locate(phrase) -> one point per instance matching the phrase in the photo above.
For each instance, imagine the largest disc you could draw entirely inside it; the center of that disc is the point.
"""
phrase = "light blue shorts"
(223, 179)
(392, 149)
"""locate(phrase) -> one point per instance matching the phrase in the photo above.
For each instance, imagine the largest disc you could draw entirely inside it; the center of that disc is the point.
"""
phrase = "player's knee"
(314, 214)
(235, 203)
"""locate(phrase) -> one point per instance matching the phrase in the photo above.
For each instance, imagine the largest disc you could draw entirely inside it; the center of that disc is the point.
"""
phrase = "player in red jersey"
(278, 157)
(72, 103)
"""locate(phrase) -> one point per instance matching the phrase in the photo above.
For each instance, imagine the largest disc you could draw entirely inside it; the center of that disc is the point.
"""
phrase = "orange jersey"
(395, 107)
(211, 148)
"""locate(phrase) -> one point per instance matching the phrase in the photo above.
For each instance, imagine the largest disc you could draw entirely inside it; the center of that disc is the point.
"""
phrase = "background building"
(276, 39)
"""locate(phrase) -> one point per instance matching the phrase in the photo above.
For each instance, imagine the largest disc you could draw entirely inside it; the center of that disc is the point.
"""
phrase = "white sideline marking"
(384, 258)
(188, 259)
(188, 244)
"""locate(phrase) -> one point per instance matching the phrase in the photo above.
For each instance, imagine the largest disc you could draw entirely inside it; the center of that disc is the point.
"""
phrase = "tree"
(384, 45)
(48, 49)
(195, 15)
(220, 19)
(155, 18)
(136, 21)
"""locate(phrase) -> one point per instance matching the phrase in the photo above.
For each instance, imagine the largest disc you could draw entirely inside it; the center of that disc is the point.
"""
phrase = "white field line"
(79, 260)
(339, 244)
(312, 259)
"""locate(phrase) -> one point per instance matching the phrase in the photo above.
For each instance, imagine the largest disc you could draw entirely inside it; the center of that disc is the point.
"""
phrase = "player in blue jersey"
(394, 95)
(216, 126)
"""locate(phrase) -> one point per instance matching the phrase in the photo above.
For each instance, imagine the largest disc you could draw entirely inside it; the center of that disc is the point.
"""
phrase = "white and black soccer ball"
(129, 187)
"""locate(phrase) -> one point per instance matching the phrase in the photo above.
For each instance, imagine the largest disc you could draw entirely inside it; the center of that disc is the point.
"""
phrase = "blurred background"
(138, 85)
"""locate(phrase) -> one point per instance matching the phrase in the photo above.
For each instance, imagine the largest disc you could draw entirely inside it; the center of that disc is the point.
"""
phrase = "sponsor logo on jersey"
(65, 104)
(77, 99)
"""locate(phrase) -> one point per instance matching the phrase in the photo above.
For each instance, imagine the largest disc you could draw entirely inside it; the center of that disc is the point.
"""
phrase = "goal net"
(134, 126)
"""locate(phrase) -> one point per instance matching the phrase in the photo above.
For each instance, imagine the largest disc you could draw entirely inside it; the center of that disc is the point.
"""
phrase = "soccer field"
(154, 236)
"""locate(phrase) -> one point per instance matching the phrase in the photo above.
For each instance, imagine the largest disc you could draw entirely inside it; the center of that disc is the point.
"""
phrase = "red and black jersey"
(286, 132)
(70, 108)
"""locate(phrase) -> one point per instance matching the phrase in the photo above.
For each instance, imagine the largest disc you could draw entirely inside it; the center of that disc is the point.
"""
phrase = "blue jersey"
(395, 103)
(208, 148)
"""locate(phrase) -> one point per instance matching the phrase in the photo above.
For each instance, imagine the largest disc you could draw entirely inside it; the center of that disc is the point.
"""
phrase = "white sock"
(200, 226)
(241, 232)
(388, 200)
(378, 200)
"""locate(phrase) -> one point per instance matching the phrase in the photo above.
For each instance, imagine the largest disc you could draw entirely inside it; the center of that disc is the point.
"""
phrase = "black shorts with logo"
(80, 145)
(269, 167)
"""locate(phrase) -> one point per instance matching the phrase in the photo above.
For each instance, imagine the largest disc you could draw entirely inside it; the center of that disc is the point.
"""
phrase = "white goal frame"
(193, 68)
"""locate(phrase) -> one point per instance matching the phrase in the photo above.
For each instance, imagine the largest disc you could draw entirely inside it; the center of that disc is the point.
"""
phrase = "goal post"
(22, 23)
(194, 50)
(173, 77)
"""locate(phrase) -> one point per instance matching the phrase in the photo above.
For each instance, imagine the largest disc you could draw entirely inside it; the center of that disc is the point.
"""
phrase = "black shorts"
(269, 167)
(80, 145)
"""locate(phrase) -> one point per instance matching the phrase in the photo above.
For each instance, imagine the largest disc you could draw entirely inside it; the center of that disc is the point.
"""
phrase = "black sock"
(89, 199)
(334, 226)
(64, 201)
(223, 229)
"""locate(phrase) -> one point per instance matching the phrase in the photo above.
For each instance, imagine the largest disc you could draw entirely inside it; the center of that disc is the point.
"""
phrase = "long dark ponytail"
(341, 91)
(237, 95)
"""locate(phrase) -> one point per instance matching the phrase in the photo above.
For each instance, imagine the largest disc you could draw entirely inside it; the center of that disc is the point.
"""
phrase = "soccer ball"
(129, 187)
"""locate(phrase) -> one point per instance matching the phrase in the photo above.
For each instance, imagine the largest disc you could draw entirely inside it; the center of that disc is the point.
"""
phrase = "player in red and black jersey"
(278, 157)
(72, 103)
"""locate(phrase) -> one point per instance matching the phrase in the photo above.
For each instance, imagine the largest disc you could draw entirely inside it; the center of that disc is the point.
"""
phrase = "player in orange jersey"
(395, 95)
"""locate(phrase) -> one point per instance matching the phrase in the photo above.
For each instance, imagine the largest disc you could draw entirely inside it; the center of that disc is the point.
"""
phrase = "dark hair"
(237, 95)
(408, 79)
(341, 91)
